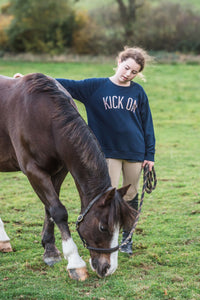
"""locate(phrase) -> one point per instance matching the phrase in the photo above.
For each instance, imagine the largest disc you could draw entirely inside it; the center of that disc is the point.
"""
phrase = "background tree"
(41, 26)
(49, 26)
(128, 15)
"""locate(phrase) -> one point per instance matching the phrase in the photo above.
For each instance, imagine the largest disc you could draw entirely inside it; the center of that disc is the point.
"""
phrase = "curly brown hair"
(138, 54)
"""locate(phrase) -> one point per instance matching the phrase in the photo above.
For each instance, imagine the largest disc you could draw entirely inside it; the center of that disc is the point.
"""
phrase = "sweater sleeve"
(80, 90)
(148, 128)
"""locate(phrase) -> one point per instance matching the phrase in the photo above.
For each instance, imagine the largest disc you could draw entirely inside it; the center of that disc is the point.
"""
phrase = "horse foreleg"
(51, 254)
(5, 245)
(76, 266)
(43, 186)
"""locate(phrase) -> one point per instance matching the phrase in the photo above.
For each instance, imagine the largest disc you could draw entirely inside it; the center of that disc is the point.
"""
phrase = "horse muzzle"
(102, 267)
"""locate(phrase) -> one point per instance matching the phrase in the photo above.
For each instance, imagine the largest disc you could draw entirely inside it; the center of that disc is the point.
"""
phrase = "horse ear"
(106, 199)
(122, 191)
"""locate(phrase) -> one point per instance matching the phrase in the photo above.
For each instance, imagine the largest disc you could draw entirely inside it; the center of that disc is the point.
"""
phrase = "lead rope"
(149, 184)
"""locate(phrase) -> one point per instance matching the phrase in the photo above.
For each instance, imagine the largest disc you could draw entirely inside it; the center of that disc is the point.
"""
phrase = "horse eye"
(102, 228)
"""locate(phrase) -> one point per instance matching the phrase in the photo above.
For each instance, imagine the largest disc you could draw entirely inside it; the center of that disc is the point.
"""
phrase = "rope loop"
(151, 179)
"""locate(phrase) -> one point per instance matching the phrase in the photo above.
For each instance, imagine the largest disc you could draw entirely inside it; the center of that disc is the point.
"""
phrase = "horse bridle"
(81, 218)
(149, 184)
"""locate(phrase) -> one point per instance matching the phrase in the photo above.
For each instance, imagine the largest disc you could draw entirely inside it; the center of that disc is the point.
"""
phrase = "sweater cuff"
(149, 156)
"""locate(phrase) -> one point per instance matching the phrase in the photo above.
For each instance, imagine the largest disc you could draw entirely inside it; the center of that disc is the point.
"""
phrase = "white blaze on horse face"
(70, 252)
(3, 235)
(114, 255)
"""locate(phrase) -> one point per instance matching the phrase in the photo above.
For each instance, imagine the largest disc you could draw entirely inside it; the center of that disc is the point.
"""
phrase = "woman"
(118, 113)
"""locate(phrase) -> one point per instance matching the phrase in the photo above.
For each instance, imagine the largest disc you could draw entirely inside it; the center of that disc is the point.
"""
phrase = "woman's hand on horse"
(150, 164)
(18, 75)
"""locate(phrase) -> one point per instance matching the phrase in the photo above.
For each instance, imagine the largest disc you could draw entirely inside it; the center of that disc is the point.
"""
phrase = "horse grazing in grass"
(43, 135)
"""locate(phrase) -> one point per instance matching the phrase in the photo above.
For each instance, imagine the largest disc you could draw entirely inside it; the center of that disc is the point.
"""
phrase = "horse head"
(99, 227)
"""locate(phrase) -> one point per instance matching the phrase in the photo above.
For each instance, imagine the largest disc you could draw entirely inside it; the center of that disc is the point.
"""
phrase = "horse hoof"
(5, 247)
(80, 274)
(50, 261)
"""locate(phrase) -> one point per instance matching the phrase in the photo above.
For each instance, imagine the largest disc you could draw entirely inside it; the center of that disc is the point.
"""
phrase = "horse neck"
(90, 184)
(80, 151)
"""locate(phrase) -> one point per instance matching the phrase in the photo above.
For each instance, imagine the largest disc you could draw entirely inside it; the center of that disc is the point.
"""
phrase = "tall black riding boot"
(134, 202)
(127, 248)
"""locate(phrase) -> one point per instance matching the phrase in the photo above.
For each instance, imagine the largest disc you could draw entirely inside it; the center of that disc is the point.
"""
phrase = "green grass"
(165, 263)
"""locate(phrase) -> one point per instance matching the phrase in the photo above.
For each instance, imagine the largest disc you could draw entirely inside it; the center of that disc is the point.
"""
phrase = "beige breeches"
(130, 171)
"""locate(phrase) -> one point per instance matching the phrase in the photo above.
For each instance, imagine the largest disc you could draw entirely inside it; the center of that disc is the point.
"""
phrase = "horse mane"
(39, 83)
(72, 127)
(122, 212)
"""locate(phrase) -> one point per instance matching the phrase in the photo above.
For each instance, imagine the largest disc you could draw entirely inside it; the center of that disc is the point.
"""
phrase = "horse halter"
(81, 218)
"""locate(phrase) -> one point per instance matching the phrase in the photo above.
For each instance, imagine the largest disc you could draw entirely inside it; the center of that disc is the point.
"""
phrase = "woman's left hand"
(17, 75)
(150, 163)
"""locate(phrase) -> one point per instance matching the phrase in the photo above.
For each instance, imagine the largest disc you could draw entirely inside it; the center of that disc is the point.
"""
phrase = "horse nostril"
(94, 263)
(105, 268)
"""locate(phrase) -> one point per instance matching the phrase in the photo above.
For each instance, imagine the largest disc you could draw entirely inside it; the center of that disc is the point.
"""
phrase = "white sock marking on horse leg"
(114, 255)
(70, 252)
(3, 235)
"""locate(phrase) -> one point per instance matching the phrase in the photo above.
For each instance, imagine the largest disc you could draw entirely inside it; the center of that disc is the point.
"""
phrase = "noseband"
(81, 218)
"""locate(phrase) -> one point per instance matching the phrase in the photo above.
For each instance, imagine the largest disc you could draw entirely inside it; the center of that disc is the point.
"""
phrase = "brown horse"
(43, 135)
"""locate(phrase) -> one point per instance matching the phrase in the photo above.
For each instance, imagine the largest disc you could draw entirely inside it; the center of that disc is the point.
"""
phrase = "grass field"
(165, 263)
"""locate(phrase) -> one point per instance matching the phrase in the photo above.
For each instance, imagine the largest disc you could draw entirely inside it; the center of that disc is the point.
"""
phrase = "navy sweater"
(119, 116)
